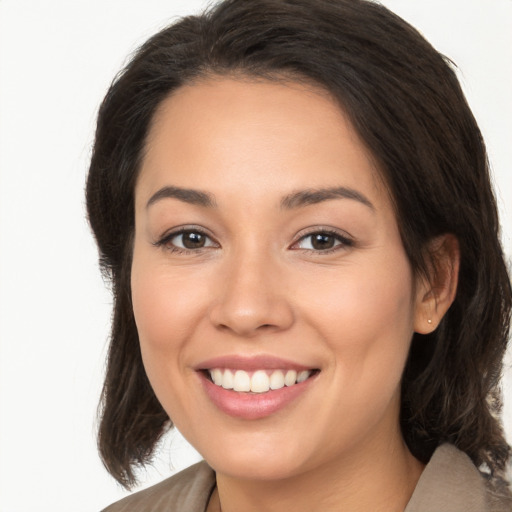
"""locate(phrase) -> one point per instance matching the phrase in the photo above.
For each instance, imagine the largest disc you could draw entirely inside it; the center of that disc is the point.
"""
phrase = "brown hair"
(404, 99)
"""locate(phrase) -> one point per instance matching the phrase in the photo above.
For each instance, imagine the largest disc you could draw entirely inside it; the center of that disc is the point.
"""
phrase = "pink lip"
(252, 406)
(251, 363)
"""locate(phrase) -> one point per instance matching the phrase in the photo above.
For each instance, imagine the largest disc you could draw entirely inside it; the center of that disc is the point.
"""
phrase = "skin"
(258, 287)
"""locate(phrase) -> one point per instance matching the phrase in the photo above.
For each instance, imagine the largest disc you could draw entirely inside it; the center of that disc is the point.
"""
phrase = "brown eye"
(192, 240)
(187, 240)
(323, 241)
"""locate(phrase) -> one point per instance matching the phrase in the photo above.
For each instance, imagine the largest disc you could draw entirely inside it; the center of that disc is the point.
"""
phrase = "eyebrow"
(186, 195)
(291, 201)
(314, 196)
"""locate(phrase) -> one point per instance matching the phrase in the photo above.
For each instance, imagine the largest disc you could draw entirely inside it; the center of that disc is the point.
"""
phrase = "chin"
(257, 465)
(257, 455)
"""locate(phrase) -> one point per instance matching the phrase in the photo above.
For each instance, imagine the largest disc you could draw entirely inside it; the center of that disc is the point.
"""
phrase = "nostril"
(247, 330)
(248, 314)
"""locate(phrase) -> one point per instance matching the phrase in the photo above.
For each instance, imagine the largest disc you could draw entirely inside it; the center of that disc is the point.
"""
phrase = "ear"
(436, 292)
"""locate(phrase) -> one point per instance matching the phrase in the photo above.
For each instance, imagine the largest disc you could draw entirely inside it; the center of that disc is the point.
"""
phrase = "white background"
(57, 58)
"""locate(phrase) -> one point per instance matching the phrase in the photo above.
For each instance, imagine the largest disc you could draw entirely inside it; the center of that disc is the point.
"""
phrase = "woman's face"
(267, 252)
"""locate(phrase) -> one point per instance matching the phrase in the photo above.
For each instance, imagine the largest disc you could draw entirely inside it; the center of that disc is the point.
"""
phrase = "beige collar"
(449, 483)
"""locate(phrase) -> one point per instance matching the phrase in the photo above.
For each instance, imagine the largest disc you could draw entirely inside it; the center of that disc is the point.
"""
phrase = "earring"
(429, 321)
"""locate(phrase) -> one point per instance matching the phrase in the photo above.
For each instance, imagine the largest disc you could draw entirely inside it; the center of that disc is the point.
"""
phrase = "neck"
(381, 480)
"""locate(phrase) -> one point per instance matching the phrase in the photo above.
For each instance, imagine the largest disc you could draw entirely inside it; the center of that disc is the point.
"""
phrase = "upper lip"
(251, 363)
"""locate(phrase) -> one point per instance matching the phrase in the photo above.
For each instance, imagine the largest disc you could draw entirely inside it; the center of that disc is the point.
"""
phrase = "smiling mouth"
(259, 381)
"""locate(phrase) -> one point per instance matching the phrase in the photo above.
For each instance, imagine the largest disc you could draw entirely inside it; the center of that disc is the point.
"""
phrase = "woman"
(293, 203)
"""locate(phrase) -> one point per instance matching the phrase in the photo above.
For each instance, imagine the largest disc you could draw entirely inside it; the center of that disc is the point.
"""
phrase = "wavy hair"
(404, 100)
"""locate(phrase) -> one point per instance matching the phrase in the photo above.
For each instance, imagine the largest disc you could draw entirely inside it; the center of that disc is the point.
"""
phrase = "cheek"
(167, 306)
(365, 315)
(164, 303)
(367, 323)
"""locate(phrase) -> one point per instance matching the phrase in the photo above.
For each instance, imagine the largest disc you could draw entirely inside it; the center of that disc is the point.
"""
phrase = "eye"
(323, 241)
(186, 240)
(191, 240)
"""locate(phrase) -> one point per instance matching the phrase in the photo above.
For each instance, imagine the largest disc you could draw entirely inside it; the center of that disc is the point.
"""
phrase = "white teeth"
(277, 380)
(241, 381)
(259, 382)
(216, 375)
(290, 378)
(302, 376)
(227, 380)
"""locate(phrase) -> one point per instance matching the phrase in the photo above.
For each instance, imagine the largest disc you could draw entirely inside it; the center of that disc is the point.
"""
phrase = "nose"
(252, 297)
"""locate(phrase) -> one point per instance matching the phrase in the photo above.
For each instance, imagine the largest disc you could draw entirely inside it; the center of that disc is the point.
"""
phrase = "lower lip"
(252, 406)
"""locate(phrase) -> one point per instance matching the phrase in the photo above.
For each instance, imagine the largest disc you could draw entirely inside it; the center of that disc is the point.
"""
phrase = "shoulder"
(452, 483)
(499, 495)
(188, 490)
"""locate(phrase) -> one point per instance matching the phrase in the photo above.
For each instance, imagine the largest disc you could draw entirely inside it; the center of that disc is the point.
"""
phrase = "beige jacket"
(449, 483)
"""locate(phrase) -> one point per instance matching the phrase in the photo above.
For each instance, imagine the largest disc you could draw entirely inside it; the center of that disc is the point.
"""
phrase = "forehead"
(226, 133)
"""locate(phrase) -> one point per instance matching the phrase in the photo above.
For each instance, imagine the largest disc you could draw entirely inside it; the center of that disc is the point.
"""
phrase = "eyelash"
(165, 241)
(344, 241)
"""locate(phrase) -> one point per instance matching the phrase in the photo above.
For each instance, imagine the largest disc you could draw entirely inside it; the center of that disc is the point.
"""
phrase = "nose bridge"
(253, 295)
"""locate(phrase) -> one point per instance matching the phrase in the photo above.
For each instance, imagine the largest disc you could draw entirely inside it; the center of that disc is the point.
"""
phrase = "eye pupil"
(322, 241)
(193, 240)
